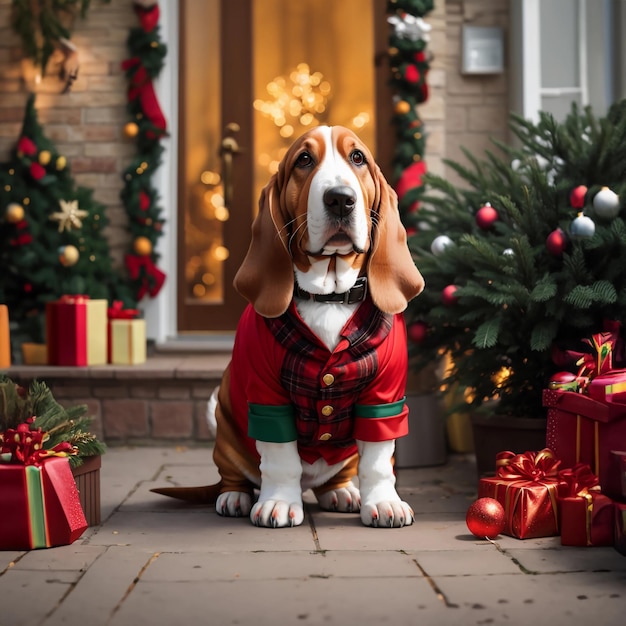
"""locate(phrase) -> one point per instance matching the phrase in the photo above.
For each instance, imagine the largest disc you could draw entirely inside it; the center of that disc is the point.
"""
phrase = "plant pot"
(87, 477)
(426, 442)
(495, 433)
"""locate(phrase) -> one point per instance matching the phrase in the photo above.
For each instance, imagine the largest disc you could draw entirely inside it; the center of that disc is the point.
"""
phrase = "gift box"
(127, 336)
(620, 527)
(39, 505)
(609, 387)
(5, 340)
(615, 484)
(586, 514)
(76, 331)
(581, 429)
(527, 486)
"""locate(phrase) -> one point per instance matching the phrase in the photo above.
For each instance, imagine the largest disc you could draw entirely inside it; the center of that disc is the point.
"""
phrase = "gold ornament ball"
(131, 129)
(142, 246)
(61, 163)
(14, 213)
(68, 255)
(402, 107)
(44, 157)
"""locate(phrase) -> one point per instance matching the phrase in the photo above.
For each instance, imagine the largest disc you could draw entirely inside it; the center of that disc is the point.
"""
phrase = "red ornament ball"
(556, 242)
(417, 331)
(577, 197)
(486, 216)
(448, 295)
(485, 518)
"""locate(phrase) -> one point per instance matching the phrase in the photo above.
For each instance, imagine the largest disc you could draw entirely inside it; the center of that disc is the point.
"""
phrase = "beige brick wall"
(476, 108)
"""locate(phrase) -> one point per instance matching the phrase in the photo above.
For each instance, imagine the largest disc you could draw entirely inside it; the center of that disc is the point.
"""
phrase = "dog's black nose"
(340, 200)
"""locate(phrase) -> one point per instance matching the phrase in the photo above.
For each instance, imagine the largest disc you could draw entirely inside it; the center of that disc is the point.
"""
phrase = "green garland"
(409, 68)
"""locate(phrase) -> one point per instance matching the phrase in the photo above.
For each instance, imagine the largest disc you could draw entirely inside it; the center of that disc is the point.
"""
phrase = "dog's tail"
(196, 495)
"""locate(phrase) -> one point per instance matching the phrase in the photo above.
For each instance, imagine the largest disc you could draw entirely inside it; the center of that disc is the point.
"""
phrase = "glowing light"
(221, 253)
(222, 214)
(210, 178)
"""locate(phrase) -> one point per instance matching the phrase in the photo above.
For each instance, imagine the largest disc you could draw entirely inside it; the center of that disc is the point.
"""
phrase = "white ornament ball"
(582, 227)
(439, 244)
(508, 252)
(606, 203)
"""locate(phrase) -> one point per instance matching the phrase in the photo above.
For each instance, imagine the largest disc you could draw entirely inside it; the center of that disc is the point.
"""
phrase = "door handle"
(228, 148)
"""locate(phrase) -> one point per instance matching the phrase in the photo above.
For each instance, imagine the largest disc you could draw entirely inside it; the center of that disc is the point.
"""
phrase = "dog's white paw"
(387, 514)
(233, 504)
(277, 514)
(345, 500)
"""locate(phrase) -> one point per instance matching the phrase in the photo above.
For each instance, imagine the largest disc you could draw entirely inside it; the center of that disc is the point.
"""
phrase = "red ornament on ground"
(556, 242)
(486, 216)
(485, 518)
(577, 197)
(448, 295)
(417, 331)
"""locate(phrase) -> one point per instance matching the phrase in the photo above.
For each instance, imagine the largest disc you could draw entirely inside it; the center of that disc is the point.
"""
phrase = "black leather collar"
(356, 294)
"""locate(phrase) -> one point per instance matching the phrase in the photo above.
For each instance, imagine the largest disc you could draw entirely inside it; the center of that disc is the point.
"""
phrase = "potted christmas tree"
(36, 410)
(524, 260)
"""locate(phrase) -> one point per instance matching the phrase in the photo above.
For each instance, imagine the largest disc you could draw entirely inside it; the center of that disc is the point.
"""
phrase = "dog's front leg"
(380, 503)
(280, 499)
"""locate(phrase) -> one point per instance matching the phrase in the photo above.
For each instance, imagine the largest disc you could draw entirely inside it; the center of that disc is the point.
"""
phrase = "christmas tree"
(51, 235)
(524, 260)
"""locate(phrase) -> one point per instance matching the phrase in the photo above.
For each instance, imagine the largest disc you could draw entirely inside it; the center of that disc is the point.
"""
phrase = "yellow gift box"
(128, 342)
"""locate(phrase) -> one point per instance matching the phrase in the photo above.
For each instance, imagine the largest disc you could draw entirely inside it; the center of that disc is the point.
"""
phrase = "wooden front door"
(254, 76)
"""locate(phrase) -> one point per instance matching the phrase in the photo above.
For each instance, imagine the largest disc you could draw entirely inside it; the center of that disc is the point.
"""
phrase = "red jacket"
(287, 385)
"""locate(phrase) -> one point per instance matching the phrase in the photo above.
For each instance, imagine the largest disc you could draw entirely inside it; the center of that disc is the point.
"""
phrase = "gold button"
(328, 379)
(325, 437)
(327, 410)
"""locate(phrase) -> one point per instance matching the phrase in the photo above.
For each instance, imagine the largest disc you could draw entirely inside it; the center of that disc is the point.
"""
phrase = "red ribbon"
(579, 479)
(118, 312)
(142, 268)
(148, 17)
(530, 466)
(25, 445)
(141, 87)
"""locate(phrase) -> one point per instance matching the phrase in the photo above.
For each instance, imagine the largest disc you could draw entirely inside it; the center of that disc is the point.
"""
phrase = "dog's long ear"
(265, 277)
(392, 276)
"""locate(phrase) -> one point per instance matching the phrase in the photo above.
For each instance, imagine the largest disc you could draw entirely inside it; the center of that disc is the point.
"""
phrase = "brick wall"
(476, 107)
(87, 123)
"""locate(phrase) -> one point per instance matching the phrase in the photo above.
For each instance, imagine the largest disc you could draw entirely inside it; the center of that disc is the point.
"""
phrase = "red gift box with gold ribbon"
(39, 502)
(581, 429)
(76, 331)
(527, 486)
(586, 514)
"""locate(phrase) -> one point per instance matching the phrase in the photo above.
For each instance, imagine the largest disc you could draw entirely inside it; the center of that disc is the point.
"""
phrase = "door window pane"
(313, 64)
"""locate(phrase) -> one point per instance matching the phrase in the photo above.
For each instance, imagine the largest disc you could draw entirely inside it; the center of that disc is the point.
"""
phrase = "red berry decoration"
(448, 295)
(577, 197)
(485, 518)
(556, 242)
(417, 331)
(486, 216)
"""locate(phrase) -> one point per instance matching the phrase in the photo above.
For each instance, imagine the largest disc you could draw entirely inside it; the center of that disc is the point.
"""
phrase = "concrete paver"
(159, 562)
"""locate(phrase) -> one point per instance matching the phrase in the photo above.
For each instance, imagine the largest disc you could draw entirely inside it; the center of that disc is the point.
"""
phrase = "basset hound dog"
(314, 394)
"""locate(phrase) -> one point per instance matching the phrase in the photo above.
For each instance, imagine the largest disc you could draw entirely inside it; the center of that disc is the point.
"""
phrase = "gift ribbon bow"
(117, 311)
(582, 483)
(78, 298)
(25, 445)
(602, 361)
(533, 466)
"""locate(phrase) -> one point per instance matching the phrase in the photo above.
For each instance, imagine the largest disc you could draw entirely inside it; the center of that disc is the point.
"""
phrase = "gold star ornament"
(70, 216)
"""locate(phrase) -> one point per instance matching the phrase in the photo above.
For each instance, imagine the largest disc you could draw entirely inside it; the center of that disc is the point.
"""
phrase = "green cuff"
(380, 410)
(275, 424)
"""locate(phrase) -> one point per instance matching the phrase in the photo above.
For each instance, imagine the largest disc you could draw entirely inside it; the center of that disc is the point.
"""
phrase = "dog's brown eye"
(357, 157)
(304, 160)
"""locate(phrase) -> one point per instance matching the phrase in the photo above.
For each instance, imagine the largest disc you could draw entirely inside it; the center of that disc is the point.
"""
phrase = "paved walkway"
(158, 562)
